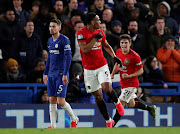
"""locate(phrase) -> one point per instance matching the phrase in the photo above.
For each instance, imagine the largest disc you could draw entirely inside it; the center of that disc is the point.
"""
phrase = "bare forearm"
(89, 46)
(137, 73)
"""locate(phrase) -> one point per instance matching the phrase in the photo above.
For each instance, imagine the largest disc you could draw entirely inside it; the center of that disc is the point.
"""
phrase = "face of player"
(17, 3)
(78, 26)
(54, 28)
(58, 7)
(125, 45)
(96, 22)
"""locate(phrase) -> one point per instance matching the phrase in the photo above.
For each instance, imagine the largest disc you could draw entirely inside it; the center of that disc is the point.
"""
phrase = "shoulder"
(83, 30)
(132, 52)
(63, 37)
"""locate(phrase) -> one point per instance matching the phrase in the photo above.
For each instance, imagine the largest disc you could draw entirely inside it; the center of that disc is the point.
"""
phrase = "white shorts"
(127, 94)
(94, 78)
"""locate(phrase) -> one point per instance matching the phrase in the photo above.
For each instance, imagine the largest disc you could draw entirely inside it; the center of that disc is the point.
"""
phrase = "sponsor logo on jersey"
(126, 61)
(56, 46)
(67, 47)
(54, 51)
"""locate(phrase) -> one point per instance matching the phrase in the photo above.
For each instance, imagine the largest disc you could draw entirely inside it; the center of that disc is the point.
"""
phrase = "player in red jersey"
(96, 71)
(129, 72)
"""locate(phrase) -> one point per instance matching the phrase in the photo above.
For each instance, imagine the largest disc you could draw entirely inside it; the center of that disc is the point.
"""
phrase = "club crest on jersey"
(80, 36)
(126, 61)
(56, 46)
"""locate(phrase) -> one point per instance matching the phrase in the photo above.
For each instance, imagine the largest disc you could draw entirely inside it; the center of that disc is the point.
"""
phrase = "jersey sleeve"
(104, 36)
(67, 56)
(138, 62)
(81, 36)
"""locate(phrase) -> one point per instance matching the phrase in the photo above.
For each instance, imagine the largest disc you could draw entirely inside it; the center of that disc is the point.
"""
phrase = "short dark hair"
(78, 22)
(28, 21)
(159, 18)
(89, 17)
(57, 21)
(125, 36)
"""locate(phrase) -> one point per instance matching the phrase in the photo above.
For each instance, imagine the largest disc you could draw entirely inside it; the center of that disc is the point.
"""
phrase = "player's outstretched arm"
(115, 70)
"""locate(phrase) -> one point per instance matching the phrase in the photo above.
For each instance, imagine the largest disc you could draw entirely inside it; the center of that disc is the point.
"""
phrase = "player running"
(96, 71)
(56, 73)
(129, 72)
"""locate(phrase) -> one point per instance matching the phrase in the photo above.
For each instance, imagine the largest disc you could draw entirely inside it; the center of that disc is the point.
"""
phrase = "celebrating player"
(129, 72)
(56, 73)
(96, 71)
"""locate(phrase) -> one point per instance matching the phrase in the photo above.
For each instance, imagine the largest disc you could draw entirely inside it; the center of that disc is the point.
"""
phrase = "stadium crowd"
(154, 26)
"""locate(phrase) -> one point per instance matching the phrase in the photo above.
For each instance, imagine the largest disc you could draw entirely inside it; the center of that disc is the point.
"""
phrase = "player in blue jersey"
(56, 73)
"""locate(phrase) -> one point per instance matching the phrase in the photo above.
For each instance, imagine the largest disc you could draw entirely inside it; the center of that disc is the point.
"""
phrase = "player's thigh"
(51, 87)
(104, 75)
(91, 81)
(61, 89)
(127, 94)
(131, 103)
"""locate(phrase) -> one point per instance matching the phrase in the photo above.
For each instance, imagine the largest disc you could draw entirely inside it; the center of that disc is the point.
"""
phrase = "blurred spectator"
(169, 56)
(72, 4)
(21, 15)
(163, 9)
(76, 15)
(44, 99)
(157, 35)
(13, 73)
(113, 41)
(139, 44)
(116, 27)
(3, 70)
(175, 6)
(75, 49)
(82, 5)
(107, 18)
(41, 23)
(98, 7)
(9, 29)
(34, 9)
(58, 10)
(45, 55)
(36, 76)
(29, 47)
(143, 24)
(123, 9)
(152, 72)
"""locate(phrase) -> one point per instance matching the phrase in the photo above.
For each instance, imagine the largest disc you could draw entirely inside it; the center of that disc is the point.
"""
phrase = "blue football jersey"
(59, 56)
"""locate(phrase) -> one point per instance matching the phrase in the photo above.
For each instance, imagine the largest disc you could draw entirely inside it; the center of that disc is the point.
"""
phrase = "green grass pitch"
(139, 130)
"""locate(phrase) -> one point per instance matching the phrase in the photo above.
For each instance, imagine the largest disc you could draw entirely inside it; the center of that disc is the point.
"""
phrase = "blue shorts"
(56, 87)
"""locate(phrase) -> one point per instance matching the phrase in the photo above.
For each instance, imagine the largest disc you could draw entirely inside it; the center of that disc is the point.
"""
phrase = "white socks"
(69, 111)
(108, 121)
(117, 102)
(53, 114)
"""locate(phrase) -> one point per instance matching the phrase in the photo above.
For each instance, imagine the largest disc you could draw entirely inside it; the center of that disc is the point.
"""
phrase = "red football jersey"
(131, 63)
(95, 58)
